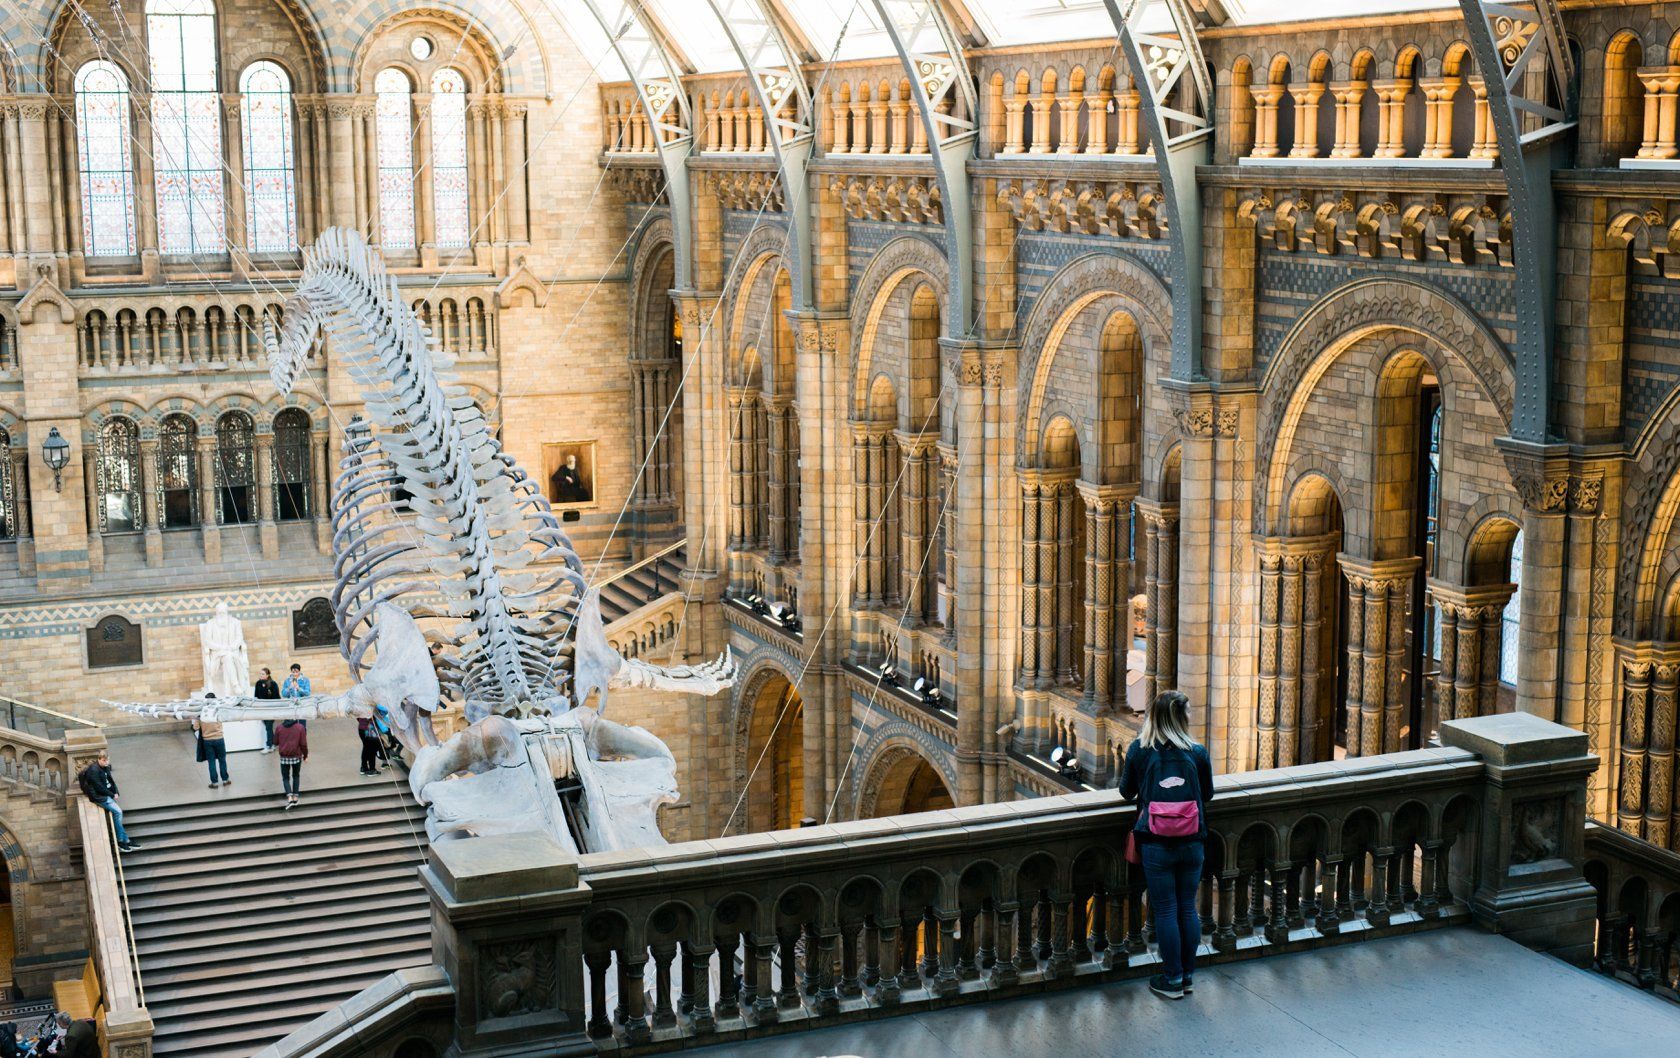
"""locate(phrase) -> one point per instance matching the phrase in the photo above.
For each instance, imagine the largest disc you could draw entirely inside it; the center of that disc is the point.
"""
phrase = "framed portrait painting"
(569, 474)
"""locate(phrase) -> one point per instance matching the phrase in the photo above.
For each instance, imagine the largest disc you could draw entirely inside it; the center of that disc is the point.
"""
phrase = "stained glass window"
(236, 468)
(186, 126)
(291, 465)
(449, 157)
(270, 181)
(177, 471)
(107, 165)
(394, 126)
(119, 476)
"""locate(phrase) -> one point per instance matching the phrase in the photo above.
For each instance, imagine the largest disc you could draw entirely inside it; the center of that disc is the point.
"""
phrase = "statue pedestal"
(243, 735)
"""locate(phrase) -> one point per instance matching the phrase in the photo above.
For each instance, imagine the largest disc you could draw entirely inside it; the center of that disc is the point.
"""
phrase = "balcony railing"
(1638, 886)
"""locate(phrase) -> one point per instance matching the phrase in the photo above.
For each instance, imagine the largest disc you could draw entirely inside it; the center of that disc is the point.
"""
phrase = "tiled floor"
(1448, 992)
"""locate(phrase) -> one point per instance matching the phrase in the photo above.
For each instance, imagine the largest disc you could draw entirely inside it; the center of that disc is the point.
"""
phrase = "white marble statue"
(227, 666)
(473, 545)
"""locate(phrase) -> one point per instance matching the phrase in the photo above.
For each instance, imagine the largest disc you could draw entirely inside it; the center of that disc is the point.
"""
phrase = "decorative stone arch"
(1167, 447)
(12, 423)
(654, 242)
(171, 405)
(1649, 509)
(13, 856)
(1443, 331)
(319, 413)
(887, 754)
(248, 403)
(487, 41)
(903, 257)
(760, 669)
(1455, 542)
(1078, 285)
(765, 259)
(1311, 467)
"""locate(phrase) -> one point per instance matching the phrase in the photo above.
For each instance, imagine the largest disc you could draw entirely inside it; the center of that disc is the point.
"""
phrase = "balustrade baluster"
(730, 998)
(888, 949)
(1428, 905)
(1002, 972)
(944, 980)
(664, 1016)
(599, 1026)
(1135, 942)
(764, 982)
(1061, 956)
(1079, 949)
(1277, 926)
(871, 954)
(828, 997)
(850, 983)
(632, 985)
(967, 949)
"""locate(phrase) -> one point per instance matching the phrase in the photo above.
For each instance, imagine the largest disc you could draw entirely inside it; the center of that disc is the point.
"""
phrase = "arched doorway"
(773, 768)
(901, 782)
(8, 927)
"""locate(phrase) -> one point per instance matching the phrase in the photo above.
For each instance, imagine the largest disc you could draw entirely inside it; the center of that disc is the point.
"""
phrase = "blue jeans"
(268, 734)
(1173, 872)
(110, 805)
(215, 755)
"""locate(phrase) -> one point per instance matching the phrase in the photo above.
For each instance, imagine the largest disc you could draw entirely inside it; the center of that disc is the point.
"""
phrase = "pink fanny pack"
(1174, 819)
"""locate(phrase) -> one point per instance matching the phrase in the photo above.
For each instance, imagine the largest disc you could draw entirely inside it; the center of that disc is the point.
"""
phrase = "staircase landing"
(1442, 992)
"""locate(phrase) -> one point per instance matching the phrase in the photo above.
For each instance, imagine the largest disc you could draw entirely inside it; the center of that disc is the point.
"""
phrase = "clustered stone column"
(872, 482)
(1047, 578)
(748, 459)
(1107, 602)
(1267, 98)
(1376, 651)
(1662, 101)
(1306, 118)
(920, 498)
(208, 478)
(655, 427)
(1650, 673)
(783, 440)
(1160, 586)
(948, 512)
(1472, 633)
(1292, 692)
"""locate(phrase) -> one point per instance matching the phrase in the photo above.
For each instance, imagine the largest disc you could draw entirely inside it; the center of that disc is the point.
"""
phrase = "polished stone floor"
(156, 767)
(1447, 992)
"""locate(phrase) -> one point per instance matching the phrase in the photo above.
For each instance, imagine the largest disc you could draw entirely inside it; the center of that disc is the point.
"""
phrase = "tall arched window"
(1511, 620)
(177, 471)
(395, 116)
(119, 476)
(291, 465)
(8, 503)
(270, 181)
(449, 157)
(106, 163)
(236, 468)
(186, 126)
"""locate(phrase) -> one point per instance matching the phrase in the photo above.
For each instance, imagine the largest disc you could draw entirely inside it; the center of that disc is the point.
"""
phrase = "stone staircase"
(251, 921)
(639, 585)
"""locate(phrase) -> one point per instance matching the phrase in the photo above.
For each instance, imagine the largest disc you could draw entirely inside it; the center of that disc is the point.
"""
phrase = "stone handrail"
(1638, 886)
(33, 764)
(126, 1027)
(762, 933)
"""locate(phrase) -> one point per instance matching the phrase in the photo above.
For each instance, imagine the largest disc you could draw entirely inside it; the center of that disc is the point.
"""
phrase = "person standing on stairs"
(212, 748)
(100, 785)
(368, 729)
(291, 738)
(267, 690)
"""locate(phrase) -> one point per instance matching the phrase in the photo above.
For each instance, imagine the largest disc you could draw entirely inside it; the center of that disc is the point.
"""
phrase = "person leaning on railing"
(1170, 776)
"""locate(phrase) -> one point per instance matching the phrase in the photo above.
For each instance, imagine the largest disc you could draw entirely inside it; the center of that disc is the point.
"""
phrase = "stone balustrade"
(1638, 887)
(710, 941)
(36, 766)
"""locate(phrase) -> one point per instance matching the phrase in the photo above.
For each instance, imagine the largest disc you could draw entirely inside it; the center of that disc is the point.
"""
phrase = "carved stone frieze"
(750, 190)
(906, 199)
(1127, 209)
(1472, 228)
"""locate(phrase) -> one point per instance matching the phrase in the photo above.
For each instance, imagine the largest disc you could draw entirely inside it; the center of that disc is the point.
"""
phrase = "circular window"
(421, 48)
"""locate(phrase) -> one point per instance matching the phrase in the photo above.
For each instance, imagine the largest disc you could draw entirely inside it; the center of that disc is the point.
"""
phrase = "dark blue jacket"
(1138, 760)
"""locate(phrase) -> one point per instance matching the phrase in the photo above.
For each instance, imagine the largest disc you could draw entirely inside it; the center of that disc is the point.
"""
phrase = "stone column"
(425, 170)
(239, 240)
(1096, 120)
(1486, 140)
(1292, 706)
(151, 509)
(1160, 586)
(1472, 621)
(1438, 93)
(518, 221)
(207, 514)
(1014, 109)
(1645, 800)
(1306, 118)
(1348, 94)
(1266, 101)
(1376, 631)
(784, 454)
(90, 489)
(865, 438)
(267, 533)
(1662, 97)
(1108, 577)
(1391, 118)
(321, 472)
(916, 565)
(948, 463)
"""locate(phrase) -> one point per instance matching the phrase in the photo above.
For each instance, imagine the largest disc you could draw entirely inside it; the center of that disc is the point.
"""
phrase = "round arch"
(900, 261)
(900, 779)
(769, 750)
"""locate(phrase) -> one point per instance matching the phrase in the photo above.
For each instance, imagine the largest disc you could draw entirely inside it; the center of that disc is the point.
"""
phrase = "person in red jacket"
(291, 739)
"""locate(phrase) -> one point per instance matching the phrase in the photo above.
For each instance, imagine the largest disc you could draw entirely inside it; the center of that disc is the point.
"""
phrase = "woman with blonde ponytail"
(1170, 776)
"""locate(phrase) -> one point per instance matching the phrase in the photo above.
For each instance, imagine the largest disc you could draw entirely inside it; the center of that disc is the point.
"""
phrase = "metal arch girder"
(658, 83)
(777, 81)
(1159, 65)
(1508, 38)
(932, 56)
